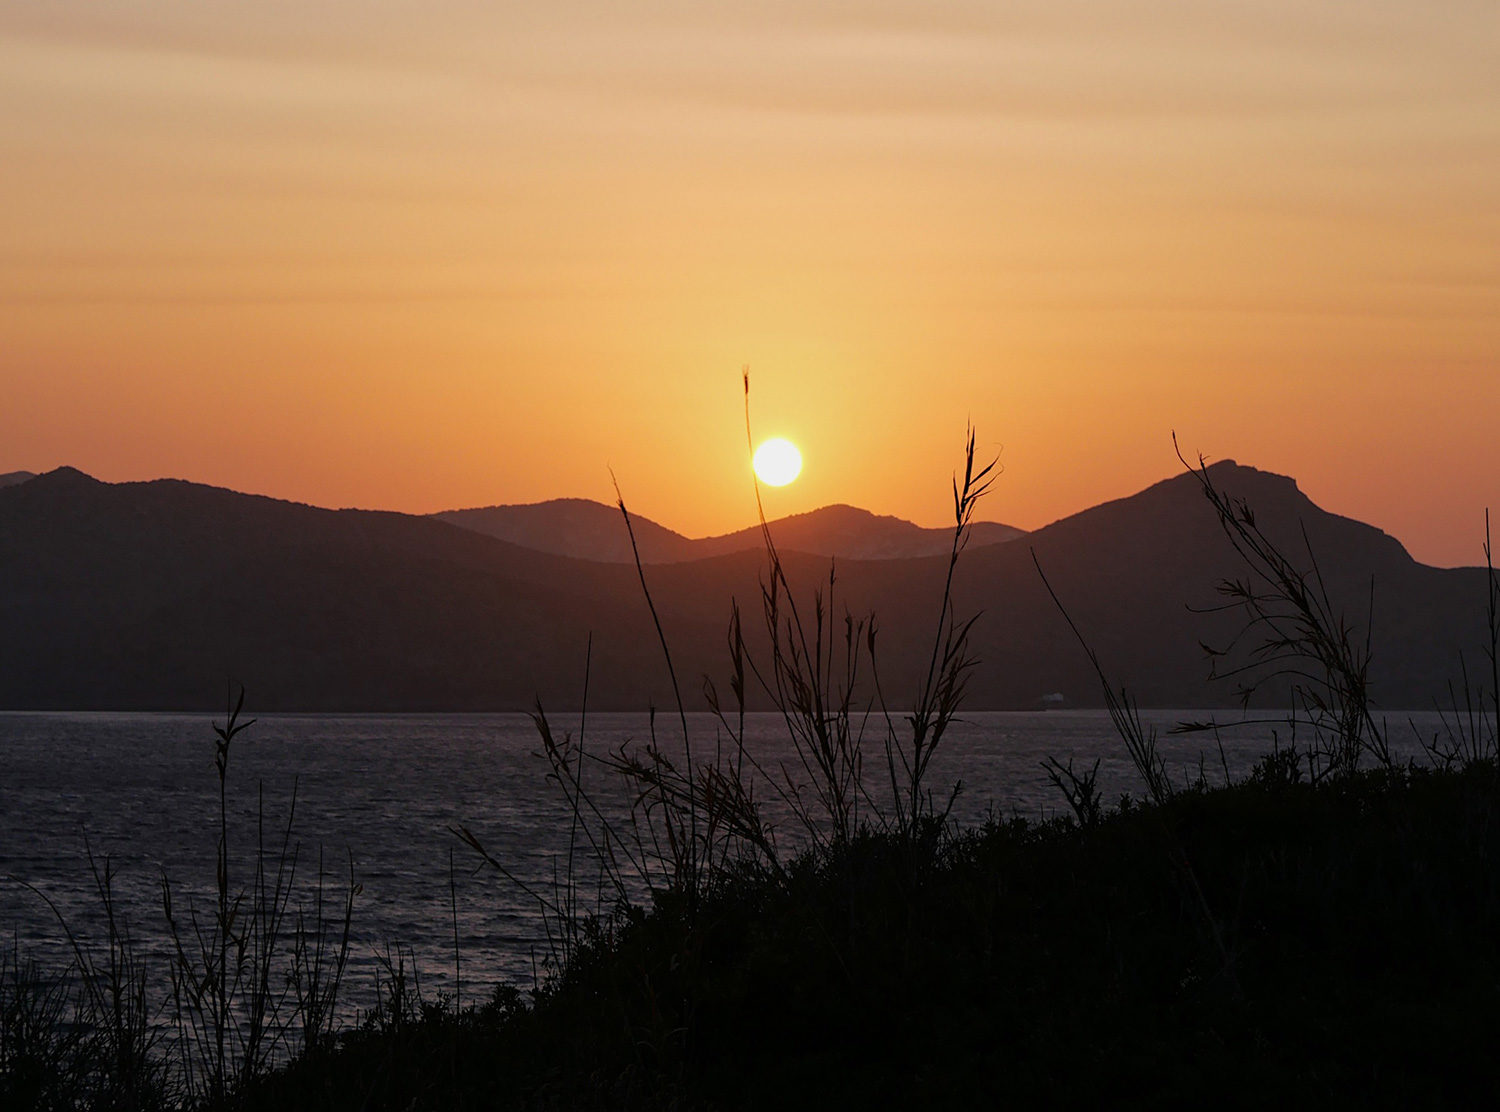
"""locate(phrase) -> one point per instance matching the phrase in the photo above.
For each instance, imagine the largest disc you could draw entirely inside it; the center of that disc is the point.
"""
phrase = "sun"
(777, 462)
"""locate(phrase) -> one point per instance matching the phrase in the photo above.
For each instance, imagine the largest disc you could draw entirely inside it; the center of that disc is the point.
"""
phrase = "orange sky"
(423, 255)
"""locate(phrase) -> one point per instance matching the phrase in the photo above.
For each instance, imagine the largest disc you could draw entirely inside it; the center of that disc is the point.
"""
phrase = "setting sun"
(777, 462)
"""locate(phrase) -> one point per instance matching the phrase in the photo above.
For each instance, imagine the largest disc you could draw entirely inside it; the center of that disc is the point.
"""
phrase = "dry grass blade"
(1124, 714)
(1293, 631)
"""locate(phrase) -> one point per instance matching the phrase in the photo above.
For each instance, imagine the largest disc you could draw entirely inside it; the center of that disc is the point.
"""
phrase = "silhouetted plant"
(695, 817)
(1471, 721)
(948, 668)
(91, 1028)
(1140, 743)
(101, 1034)
(813, 679)
(1280, 768)
(1080, 789)
(318, 961)
(1291, 630)
(45, 1059)
(239, 998)
(1124, 714)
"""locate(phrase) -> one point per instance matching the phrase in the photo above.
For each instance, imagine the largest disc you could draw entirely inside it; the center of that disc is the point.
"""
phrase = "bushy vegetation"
(251, 980)
(1326, 931)
(1352, 957)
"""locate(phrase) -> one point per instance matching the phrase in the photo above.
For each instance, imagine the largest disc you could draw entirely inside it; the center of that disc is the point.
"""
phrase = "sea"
(384, 796)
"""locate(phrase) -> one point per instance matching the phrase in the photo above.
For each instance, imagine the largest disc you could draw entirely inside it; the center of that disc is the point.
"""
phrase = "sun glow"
(777, 462)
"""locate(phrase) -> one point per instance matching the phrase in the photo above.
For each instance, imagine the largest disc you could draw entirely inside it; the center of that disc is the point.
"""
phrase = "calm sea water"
(386, 791)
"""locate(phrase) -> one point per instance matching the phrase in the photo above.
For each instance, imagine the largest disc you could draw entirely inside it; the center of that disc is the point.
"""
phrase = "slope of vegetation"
(1337, 944)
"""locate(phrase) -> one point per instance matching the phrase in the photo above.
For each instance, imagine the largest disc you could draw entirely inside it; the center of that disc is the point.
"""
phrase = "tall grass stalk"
(1140, 740)
(696, 816)
(318, 963)
(1470, 722)
(104, 1039)
(1291, 630)
(815, 679)
(240, 997)
(246, 992)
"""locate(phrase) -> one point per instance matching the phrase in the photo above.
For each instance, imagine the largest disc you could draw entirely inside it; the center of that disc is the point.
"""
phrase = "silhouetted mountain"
(593, 531)
(142, 595)
(11, 478)
(850, 533)
(1139, 573)
(575, 527)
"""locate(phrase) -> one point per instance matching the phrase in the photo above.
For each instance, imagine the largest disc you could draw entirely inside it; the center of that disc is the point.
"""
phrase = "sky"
(418, 256)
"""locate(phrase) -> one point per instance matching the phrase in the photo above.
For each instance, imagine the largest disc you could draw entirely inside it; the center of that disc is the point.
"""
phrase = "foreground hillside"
(1332, 947)
(152, 595)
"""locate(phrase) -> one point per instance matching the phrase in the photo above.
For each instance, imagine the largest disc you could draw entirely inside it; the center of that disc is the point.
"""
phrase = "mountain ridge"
(591, 530)
(151, 595)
